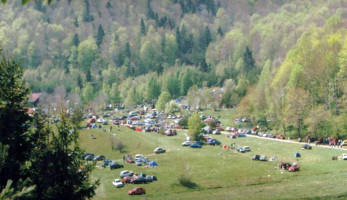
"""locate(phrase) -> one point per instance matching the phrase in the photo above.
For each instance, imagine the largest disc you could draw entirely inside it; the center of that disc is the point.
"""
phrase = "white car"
(138, 156)
(246, 148)
(344, 156)
(186, 143)
(118, 183)
(159, 150)
(126, 173)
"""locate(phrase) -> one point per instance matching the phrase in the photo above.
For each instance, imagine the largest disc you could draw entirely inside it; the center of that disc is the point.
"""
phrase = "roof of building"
(34, 97)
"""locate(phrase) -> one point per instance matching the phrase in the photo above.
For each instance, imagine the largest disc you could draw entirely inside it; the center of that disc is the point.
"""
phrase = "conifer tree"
(100, 36)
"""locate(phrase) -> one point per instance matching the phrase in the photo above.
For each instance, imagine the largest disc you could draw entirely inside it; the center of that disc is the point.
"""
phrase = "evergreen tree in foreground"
(14, 122)
(56, 168)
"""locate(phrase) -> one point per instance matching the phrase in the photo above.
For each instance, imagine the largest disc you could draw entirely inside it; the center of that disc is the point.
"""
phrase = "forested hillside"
(283, 60)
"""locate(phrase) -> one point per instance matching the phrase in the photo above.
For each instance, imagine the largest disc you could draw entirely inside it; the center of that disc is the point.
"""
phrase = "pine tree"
(56, 167)
(108, 5)
(100, 36)
(89, 76)
(79, 81)
(75, 40)
(87, 17)
(143, 27)
(14, 121)
(248, 60)
(76, 22)
(162, 46)
(220, 31)
(127, 50)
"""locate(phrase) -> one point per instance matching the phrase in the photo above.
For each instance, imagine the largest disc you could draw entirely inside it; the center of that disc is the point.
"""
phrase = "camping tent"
(94, 126)
(153, 164)
(297, 155)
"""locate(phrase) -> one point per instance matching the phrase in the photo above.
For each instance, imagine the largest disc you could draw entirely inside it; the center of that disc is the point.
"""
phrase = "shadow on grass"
(187, 182)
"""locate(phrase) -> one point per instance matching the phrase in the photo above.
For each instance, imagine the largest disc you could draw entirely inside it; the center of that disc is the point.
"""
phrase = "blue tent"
(297, 155)
(153, 164)
(94, 126)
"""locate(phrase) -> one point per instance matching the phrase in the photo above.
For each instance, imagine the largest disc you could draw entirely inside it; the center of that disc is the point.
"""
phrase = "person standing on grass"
(110, 127)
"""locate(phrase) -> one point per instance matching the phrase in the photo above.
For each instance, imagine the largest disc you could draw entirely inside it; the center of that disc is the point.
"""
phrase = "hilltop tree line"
(258, 56)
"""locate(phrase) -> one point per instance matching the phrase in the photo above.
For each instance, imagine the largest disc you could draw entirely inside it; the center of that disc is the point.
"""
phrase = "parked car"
(241, 135)
(99, 157)
(284, 165)
(138, 156)
(263, 158)
(126, 173)
(196, 145)
(126, 179)
(256, 157)
(186, 143)
(159, 150)
(214, 142)
(307, 146)
(107, 162)
(89, 157)
(151, 178)
(83, 156)
(118, 183)
(138, 163)
(241, 150)
(247, 148)
(294, 168)
(137, 190)
(129, 159)
(138, 180)
(114, 165)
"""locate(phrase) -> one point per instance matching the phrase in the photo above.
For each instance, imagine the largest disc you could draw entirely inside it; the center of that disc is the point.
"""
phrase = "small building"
(34, 100)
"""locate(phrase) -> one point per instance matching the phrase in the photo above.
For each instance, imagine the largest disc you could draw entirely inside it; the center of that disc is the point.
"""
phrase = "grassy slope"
(220, 174)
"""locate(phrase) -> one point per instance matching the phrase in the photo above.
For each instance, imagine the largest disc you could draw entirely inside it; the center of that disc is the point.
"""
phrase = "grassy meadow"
(218, 173)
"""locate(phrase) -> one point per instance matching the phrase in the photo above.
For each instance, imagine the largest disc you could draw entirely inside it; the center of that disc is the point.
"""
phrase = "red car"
(294, 168)
(137, 190)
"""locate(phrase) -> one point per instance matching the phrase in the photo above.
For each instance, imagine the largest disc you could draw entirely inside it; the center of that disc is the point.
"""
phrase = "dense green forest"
(282, 61)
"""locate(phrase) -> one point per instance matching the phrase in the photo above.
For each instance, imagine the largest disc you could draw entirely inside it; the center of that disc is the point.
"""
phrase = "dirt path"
(289, 141)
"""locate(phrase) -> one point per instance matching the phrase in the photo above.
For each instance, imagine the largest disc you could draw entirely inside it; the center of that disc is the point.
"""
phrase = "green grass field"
(219, 173)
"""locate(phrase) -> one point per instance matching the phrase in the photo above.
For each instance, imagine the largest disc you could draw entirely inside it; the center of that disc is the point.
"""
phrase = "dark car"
(256, 157)
(214, 142)
(139, 180)
(89, 157)
(196, 145)
(83, 156)
(151, 178)
(307, 146)
(99, 157)
(114, 165)
(107, 162)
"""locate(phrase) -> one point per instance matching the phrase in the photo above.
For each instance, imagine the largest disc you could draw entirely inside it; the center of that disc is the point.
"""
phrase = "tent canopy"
(153, 164)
